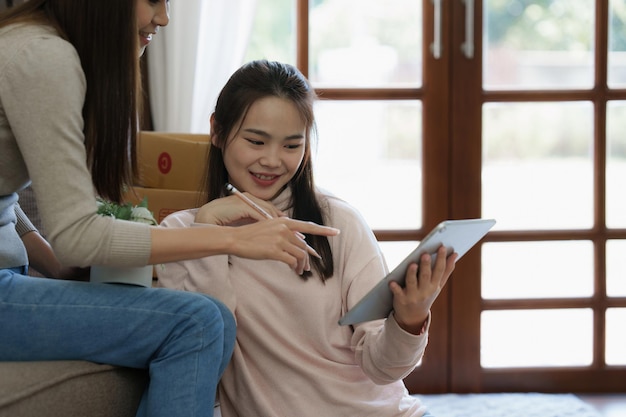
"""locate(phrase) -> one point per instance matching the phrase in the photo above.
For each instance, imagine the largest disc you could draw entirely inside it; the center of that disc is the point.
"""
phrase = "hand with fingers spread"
(279, 239)
(234, 210)
(423, 285)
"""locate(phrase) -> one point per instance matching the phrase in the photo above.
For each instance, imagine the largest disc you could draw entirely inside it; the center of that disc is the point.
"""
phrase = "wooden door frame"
(466, 301)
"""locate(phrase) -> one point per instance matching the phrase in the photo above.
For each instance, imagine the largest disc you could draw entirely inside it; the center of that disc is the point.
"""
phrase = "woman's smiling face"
(264, 154)
(151, 14)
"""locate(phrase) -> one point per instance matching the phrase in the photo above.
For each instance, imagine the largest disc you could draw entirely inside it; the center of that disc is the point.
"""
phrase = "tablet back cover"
(457, 235)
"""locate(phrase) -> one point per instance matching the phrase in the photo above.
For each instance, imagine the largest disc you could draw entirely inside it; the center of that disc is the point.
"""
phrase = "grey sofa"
(69, 389)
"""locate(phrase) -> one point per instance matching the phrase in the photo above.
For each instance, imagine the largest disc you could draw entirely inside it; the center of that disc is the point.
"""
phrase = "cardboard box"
(162, 202)
(173, 161)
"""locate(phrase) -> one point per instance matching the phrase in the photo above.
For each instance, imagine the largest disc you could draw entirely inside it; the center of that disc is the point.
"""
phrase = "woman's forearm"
(40, 255)
(268, 239)
(41, 258)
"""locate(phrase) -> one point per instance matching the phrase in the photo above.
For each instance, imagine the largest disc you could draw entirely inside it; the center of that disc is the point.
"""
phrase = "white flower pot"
(140, 276)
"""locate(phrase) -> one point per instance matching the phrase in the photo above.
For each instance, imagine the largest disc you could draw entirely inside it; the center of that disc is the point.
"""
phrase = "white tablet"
(456, 235)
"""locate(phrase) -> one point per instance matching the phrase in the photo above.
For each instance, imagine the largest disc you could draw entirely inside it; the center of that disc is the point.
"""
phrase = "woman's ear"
(212, 132)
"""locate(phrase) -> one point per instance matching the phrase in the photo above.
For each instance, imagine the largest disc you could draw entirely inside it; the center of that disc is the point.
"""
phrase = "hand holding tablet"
(456, 235)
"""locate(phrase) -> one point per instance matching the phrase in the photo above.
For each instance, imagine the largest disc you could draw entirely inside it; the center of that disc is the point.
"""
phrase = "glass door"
(540, 309)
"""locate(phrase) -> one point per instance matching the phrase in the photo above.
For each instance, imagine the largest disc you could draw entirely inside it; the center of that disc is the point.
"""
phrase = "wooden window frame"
(452, 98)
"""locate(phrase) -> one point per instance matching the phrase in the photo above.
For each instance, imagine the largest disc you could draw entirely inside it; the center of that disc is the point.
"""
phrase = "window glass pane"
(535, 273)
(273, 34)
(545, 44)
(615, 336)
(617, 44)
(616, 268)
(365, 43)
(545, 338)
(395, 252)
(538, 165)
(616, 164)
(370, 154)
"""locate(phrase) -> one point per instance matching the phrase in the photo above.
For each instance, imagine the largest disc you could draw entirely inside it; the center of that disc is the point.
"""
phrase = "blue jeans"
(183, 339)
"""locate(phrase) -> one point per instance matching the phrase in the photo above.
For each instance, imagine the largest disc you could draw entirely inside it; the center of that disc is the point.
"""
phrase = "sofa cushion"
(69, 388)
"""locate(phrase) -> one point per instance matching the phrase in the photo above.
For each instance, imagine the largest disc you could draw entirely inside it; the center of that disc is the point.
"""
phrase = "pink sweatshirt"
(291, 357)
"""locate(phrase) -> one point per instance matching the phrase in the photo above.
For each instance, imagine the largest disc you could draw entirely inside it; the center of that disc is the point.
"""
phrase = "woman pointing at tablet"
(291, 357)
(69, 87)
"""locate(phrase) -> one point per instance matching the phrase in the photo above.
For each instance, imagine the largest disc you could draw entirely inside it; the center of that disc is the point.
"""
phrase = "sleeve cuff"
(424, 330)
(23, 225)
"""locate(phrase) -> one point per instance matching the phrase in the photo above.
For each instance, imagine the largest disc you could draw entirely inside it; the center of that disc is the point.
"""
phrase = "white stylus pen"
(232, 190)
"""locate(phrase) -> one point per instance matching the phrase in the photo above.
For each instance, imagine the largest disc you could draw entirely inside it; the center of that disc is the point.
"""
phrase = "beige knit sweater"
(42, 89)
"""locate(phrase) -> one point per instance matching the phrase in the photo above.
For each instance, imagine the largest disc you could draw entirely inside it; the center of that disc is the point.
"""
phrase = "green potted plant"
(139, 276)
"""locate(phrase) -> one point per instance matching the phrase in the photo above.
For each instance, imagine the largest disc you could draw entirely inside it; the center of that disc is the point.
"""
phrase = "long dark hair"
(104, 33)
(253, 81)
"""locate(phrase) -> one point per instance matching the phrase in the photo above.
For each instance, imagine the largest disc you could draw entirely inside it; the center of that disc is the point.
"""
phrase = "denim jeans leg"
(183, 339)
(230, 332)
(229, 344)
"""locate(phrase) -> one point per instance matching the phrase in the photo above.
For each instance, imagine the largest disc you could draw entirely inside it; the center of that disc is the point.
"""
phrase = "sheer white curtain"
(190, 60)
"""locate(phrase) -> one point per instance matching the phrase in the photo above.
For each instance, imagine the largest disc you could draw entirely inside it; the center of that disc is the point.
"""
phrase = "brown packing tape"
(163, 202)
(175, 161)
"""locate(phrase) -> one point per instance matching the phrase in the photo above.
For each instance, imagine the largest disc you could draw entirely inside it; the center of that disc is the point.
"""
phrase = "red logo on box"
(165, 163)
